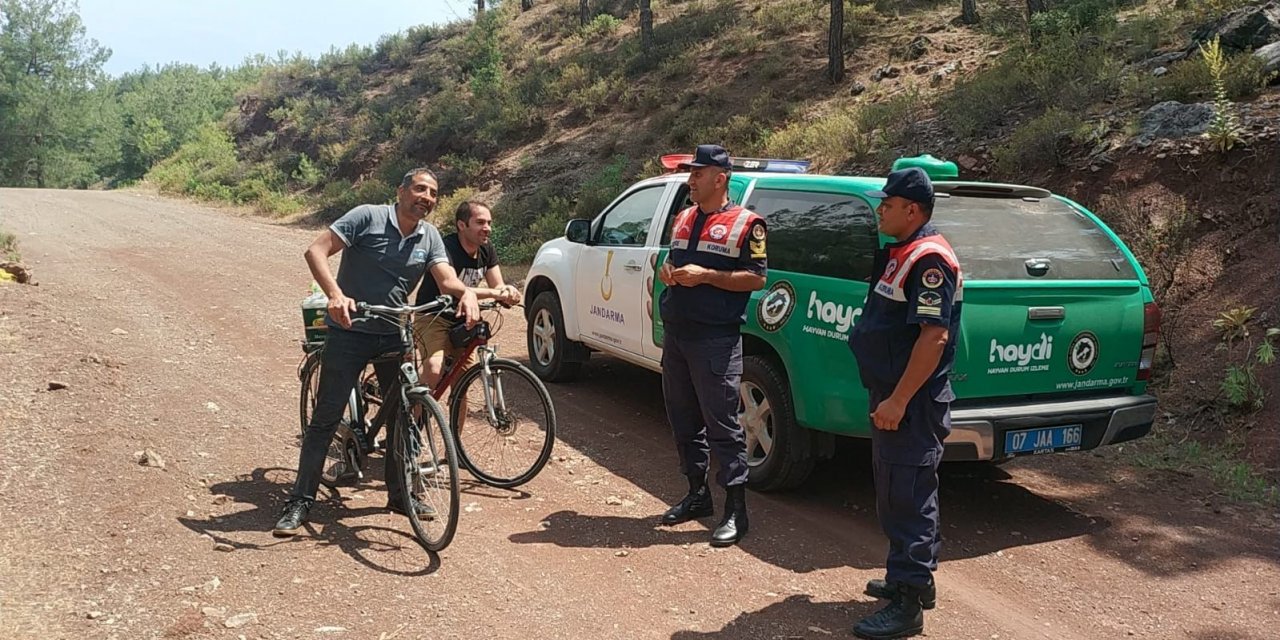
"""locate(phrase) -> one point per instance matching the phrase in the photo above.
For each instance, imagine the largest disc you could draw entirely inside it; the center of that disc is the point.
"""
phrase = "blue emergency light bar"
(672, 161)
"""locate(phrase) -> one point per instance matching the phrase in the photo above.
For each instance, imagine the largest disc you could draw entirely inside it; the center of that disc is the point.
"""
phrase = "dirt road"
(176, 328)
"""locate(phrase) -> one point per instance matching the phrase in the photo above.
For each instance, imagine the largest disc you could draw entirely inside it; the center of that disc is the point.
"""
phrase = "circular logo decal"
(932, 278)
(1083, 353)
(776, 306)
(718, 232)
(890, 268)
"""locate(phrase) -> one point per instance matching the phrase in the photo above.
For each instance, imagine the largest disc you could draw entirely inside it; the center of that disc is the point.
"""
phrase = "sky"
(202, 32)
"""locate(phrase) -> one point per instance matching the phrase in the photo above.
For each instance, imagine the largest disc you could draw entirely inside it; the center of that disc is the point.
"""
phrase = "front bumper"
(977, 433)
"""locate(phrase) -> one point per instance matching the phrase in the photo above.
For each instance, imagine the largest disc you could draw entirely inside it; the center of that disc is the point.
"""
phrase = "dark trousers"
(345, 355)
(700, 384)
(906, 480)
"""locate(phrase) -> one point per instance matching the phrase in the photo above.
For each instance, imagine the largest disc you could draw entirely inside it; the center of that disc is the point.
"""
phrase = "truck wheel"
(779, 451)
(552, 356)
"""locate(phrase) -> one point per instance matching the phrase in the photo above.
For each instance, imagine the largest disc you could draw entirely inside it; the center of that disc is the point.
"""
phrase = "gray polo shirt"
(379, 266)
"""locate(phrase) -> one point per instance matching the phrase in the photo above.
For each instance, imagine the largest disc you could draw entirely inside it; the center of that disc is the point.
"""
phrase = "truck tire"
(552, 356)
(779, 451)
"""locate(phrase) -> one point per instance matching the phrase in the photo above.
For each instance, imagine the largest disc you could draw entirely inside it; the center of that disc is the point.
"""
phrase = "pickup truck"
(1057, 335)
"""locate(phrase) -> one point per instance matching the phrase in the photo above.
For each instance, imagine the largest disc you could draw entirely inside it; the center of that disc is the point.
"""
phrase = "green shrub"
(828, 138)
(280, 204)
(208, 159)
(1190, 80)
(340, 198)
(1070, 71)
(1039, 143)
(679, 66)
(978, 104)
(307, 175)
(859, 20)
(1202, 11)
(742, 40)
(1060, 70)
(790, 17)
(463, 169)
(895, 118)
(740, 132)
(1142, 35)
(546, 225)
(600, 26)
(1075, 18)
(1240, 385)
(535, 83)
(213, 192)
(595, 97)
(602, 187)
(9, 246)
(702, 21)
(1007, 21)
(447, 206)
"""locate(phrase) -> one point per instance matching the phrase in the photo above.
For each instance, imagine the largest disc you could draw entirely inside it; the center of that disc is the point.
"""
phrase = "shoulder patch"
(757, 242)
(932, 278)
(930, 299)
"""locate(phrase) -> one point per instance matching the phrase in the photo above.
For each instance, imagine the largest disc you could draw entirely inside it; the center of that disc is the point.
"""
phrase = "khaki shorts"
(432, 336)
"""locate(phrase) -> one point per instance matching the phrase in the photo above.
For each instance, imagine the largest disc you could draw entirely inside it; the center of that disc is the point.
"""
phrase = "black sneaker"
(423, 509)
(292, 518)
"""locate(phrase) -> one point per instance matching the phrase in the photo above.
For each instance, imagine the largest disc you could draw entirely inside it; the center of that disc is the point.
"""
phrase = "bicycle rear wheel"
(429, 470)
(309, 376)
(505, 424)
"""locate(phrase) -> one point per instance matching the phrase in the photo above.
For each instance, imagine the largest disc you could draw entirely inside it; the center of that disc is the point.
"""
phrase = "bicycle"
(506, 446)
(428, 456)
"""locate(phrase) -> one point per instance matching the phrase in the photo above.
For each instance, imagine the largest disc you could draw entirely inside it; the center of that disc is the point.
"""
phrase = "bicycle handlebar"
(439, 305)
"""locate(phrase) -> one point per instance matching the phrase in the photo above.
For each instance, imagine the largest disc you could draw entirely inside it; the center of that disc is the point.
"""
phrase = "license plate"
(1043, 440)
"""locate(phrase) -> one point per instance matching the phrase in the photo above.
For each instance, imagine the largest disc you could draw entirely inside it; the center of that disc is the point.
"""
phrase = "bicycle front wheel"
(428, 459)
(504, 422)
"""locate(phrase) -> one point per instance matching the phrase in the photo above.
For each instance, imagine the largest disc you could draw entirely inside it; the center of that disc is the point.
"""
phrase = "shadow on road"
(796, 617)
(573, 529)
(388, 550)
(614, 415)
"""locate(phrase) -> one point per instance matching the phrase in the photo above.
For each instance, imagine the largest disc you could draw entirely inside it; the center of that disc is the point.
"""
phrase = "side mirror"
(578, 230)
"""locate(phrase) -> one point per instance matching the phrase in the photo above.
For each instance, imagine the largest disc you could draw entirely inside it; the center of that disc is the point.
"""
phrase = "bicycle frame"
(457, 368)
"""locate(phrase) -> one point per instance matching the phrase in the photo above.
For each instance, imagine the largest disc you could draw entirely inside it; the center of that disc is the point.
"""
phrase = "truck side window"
(822, 234)
(678, 204)
(627, 223)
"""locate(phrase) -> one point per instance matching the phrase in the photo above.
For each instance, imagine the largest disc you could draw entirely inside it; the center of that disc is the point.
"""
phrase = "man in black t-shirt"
(477, 265)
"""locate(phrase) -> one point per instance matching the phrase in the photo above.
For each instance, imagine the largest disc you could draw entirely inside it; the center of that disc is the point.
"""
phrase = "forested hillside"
(1159, 114)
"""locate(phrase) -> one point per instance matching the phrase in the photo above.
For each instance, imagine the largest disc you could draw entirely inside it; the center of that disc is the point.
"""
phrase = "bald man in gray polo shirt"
(385, 252)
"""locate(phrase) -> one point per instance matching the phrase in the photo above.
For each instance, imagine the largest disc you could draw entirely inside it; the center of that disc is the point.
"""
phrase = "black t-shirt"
(471, 269)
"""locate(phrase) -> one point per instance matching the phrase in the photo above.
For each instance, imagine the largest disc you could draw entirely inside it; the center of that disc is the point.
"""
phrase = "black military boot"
(695, 505)
(734, 525)
(886, 590)
(903, 617)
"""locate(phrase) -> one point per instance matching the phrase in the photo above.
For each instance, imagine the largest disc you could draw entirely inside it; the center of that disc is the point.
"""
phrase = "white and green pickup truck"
(1056, 342)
